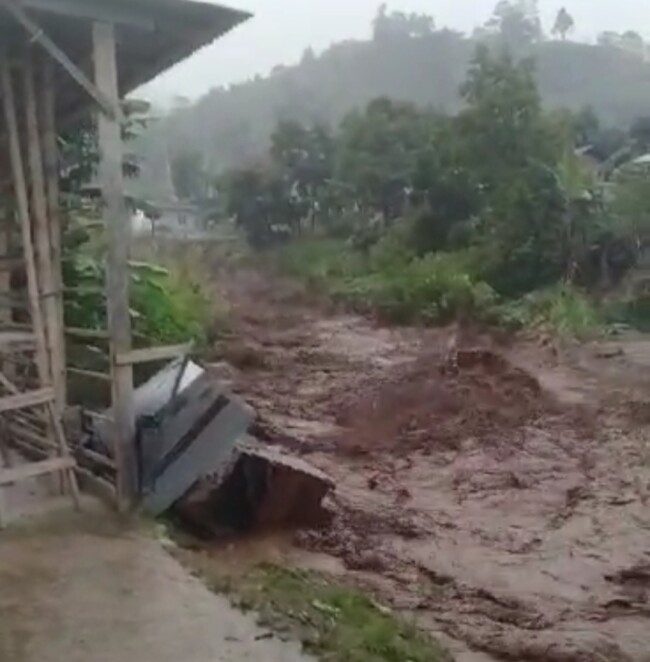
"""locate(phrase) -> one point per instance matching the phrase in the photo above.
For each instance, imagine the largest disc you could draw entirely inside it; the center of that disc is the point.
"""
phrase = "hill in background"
(407, 59)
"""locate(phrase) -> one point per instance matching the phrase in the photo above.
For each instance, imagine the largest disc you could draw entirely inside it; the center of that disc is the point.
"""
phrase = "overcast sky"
(281, 30)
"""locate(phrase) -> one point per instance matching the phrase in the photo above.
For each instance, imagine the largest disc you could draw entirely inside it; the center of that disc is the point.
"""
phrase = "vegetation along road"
(443, 306)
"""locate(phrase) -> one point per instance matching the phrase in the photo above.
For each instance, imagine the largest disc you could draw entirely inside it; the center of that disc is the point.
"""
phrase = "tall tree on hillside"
(516, 23)
(399, 24)
(512, 149)
(564, 23)
(633, 42)
(379, 151)
(188, 175)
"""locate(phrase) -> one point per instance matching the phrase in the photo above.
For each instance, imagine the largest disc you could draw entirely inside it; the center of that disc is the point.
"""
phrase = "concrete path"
(81, 590)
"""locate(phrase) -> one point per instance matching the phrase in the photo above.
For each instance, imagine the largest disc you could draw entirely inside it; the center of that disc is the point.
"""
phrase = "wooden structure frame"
(59, 61)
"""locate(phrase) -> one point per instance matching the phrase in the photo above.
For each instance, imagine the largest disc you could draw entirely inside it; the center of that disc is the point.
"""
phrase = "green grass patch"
(563, 310)
(391, 282)
(334, 622)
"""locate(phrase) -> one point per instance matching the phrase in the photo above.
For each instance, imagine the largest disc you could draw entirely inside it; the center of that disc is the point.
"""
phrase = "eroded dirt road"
(505, 504)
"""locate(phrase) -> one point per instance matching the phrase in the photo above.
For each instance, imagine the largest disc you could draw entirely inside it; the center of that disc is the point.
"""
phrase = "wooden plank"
(34, 469)
(7, 264)
(41, 231)
(98, 458)
(51, 172)
(8, 384)
(152, 354)
(22, 207)
(29, 451)
(25, 400)
(118, 225)
(5, 273)
(38, 441)
(86, 333)
(91, 374)
(112, 110)
(64, 450)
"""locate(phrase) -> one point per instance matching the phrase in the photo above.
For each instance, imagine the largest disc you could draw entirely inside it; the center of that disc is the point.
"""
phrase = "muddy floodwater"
(503, 503)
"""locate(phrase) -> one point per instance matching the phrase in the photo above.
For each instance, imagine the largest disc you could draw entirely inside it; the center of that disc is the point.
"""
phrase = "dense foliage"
(423, 215)
(167, 305)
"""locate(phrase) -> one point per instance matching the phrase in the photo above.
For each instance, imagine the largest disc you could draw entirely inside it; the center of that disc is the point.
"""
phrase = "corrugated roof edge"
(211, 32)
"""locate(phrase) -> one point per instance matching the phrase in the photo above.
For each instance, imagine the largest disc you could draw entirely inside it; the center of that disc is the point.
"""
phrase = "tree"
(633, 42)
(640, 134)
(399, 25)
(378, 153)
(503, 127)
(609, 39)
(564, 23)
(188, 175)
(516, 23)
(509, 145)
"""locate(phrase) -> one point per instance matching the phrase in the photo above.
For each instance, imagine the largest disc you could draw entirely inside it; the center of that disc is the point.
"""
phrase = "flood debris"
(194, 454)
(263, 489)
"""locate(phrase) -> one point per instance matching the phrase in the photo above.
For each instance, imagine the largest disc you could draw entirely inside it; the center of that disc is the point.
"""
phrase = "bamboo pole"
(41, 229)
(5, 274)
(118, 229)
(51, 165)
(22, 205)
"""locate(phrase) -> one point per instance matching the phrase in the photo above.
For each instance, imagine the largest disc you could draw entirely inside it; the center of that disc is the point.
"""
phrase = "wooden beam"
(96, 10)
(64, 451)
(25, 400)
(51, 167)
(152, 354)
(97, 458)
(91, 374)
(111, 109)
(22, 206)
(118, 226)
(91, 334)
(42, 231)
(25, 471)
(5, 269)
(8, 264)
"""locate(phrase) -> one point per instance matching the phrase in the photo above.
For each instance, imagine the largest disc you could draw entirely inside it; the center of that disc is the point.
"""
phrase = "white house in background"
(180, 219)
(169, 218)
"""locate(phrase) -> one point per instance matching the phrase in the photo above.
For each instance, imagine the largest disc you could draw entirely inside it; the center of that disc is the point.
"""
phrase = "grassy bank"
(390, 282)
(335, 623)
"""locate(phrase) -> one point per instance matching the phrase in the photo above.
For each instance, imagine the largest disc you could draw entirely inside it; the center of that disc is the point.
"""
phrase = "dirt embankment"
(502, 498)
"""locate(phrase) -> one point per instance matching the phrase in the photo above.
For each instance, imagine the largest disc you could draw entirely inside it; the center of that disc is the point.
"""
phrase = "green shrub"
(168, 307)
(432, 289)
(320, 262)
(562, 309)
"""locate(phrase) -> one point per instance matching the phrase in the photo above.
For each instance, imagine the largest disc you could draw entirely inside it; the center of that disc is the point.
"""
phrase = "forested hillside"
(407, 59)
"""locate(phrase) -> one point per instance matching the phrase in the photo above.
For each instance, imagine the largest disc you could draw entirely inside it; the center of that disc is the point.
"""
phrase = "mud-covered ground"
(503, 501)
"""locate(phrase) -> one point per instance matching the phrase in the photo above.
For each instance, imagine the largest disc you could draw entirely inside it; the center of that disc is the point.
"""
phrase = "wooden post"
(22, 206)
(42, 232)
(51, 166)
(118, 228)
(5, 274)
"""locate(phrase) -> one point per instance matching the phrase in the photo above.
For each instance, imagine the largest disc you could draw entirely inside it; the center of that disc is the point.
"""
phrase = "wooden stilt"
(22, 205)
(43, 398)
(118, 229)
(64, 452)
(51, 166)
(41, 229)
